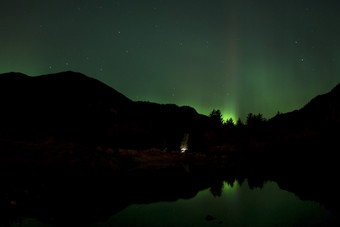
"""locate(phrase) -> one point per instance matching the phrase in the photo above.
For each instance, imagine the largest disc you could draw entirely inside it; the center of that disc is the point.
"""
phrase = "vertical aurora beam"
(232, 64)
(236, 56)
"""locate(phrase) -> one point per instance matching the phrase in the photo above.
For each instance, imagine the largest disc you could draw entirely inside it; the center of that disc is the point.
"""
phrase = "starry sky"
(237, 56)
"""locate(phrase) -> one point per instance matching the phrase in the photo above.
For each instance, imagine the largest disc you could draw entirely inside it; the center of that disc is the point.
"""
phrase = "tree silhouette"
(229, 123)
(239, 123)
(250, 119)
(259, 117)
(216, 188)
(255, 120)
(216, 117)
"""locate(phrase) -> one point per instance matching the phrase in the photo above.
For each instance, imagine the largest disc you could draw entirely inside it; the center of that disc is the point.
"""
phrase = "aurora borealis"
(238, 56)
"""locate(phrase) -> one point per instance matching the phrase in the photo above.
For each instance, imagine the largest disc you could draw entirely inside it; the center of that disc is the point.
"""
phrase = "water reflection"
(165, 198)
(232, 204)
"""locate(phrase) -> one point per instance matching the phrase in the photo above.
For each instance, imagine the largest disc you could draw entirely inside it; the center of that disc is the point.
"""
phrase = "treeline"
(230, 136)
(252, 119)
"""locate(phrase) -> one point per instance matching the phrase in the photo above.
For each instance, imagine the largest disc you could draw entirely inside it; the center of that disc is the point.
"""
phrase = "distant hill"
(322, 112)
(69, 104)
(76, 107)
(304, 147)
(323, 109)
(68, 137)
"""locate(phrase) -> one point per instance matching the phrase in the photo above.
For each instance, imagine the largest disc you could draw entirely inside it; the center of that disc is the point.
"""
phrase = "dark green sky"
(238, 56)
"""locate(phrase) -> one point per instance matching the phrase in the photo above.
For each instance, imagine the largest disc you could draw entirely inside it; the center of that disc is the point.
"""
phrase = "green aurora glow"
(237, 56)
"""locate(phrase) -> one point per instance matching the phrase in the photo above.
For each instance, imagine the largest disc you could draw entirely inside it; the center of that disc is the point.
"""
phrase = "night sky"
(237, 56)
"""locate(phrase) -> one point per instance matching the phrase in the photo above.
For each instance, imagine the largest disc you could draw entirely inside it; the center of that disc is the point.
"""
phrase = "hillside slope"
(79, 108)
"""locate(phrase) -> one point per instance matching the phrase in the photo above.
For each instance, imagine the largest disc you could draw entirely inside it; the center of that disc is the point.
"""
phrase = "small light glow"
(184, 143)
(183, 148)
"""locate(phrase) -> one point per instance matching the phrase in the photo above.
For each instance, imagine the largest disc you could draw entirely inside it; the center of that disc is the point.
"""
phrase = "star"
(195, 45)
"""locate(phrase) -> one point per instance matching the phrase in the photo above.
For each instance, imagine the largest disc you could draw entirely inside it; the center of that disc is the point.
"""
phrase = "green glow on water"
(230, 188)
(237, 206)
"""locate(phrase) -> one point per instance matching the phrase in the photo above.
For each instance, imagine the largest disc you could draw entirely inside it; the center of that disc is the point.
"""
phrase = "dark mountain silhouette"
(65, 137)
(68, 142)
(68, 104)
(76, 107)
(301, 150)
(323, 111)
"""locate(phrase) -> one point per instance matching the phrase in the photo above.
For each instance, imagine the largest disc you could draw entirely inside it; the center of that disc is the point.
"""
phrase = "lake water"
(238, 205)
